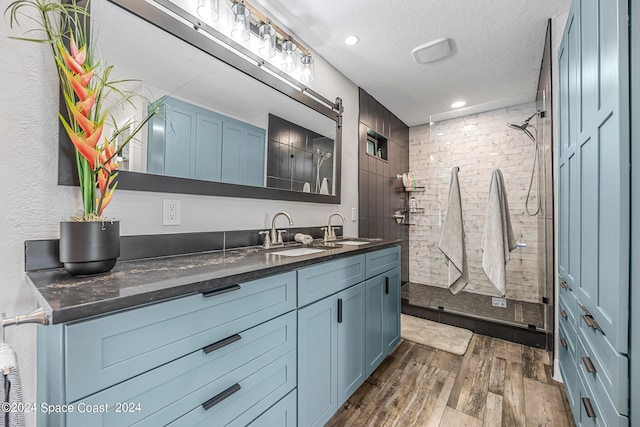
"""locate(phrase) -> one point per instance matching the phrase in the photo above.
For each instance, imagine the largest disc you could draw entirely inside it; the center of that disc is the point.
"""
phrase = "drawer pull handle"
(585, 310)
(386, 285)
(587, 407)
(220, 397)
(563, 342)
(590, 321)
(222, 343)
(564, 285)
(587, 320)
(563, 314)
(220, 291)
(589, 365)
(339, 310)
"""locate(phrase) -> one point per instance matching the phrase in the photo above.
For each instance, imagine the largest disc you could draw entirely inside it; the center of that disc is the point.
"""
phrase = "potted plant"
(89, 243)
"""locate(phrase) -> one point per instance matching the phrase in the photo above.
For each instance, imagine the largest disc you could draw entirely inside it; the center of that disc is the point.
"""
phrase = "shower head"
(523, 127)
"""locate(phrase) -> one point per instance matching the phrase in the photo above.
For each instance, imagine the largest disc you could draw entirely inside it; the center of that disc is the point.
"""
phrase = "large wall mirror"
(225, 127)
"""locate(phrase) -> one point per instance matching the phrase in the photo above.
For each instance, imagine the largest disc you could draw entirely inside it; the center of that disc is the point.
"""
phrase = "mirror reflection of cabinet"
(188, 141)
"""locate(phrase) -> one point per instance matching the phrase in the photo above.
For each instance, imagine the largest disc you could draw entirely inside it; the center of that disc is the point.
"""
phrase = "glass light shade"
(267, 36)
(209, 10)
(308, 74)
(240, 27)
(289, 56)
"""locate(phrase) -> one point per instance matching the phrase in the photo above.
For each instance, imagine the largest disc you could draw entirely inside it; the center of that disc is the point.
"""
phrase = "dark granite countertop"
(138, 282)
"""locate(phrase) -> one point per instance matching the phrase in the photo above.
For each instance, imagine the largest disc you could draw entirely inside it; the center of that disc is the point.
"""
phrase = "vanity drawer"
(111, 349)
(257, 393)
(383, 260)
(567, 314)
(603, 412)
(322, 280)
(178, 387)
(282, 414)
(567, 361)
(611, 368)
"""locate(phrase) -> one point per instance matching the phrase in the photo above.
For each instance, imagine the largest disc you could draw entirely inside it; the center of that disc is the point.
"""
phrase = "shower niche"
(377, 145)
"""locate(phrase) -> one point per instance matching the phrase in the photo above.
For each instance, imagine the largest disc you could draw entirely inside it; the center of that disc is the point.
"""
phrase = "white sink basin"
(298, 251)
(351, 242)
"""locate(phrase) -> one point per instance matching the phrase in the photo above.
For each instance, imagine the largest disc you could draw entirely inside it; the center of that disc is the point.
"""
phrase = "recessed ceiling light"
(458, 104)
(351, 39)
(440, 133)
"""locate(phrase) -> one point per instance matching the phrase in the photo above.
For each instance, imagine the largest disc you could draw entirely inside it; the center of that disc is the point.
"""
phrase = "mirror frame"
(137, 181)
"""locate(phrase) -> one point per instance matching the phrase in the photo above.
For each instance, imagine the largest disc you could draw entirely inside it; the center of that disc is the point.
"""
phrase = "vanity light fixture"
(241, 25)
(308, 74)
(458, 104)
(209, 10)
(289, 56)
(267, 35)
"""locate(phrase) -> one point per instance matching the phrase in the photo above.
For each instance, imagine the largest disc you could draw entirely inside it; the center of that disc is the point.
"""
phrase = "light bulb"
(289, 60)
(307, 75)
(267, 36)
(241, 22)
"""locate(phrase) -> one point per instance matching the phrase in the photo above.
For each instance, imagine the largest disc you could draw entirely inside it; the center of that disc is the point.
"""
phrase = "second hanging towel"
(452, 238)
(498, 239)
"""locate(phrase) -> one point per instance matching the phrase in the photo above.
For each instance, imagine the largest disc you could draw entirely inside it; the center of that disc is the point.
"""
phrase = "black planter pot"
(89, 247)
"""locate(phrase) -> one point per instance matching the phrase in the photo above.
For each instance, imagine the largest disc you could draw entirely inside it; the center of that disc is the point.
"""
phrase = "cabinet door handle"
(222, 343)
(220, 397)
(587, 407)
(339, 310)
(590, 321)
(564, 285)
(220, 291)
(563, 314)
(588, 364)
(386, 285)
(584, 309)
(563, 342)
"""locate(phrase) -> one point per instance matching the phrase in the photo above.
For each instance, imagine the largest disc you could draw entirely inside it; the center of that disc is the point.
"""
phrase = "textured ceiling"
(497, 47)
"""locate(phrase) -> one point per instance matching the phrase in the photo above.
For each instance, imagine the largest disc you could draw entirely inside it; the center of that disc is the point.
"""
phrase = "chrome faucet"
(276, 235)
(329, 231)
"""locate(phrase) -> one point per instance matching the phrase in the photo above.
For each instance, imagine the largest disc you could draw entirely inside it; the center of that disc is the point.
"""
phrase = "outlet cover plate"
(170, 212)
(499, 302)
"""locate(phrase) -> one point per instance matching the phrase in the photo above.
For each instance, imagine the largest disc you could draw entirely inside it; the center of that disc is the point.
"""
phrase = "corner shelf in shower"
(415, 190)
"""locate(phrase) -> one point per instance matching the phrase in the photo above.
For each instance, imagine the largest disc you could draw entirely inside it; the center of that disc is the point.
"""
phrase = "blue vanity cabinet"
(343, 320)
(594, 211)
(383, 317)
(170, 358)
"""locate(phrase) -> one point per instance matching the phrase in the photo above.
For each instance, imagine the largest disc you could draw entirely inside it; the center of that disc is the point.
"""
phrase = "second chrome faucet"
(329, 231)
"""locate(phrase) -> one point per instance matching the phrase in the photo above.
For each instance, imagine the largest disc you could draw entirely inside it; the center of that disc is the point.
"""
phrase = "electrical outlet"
(170, 212)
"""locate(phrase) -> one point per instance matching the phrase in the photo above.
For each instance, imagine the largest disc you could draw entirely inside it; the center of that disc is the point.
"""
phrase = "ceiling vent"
(432, 51)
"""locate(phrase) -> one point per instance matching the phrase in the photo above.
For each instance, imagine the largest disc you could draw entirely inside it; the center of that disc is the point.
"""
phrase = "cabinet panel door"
(375, 306)
(351, 367)
(253, 154)
(180, 140)
(232, 153)
(317, 362)
(391, 316)
(208, 161)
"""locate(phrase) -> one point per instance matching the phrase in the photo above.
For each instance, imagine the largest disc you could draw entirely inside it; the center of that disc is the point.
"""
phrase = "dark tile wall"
(292, 159)
(381, 193)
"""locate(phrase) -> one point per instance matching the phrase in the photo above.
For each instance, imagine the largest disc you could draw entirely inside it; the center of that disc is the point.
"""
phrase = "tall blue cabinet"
(594, 216)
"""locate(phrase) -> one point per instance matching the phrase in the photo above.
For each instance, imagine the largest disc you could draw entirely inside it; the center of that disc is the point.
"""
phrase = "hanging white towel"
(324, 187)
(452, 238)
(11, 389)
(498, 239)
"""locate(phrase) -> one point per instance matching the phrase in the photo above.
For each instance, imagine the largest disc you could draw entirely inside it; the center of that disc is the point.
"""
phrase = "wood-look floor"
(496, 383)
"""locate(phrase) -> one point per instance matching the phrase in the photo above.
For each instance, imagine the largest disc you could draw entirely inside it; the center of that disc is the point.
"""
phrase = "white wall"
(33, 204)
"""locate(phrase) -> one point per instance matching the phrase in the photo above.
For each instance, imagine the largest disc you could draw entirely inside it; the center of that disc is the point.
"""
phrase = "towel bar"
(38, 316)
